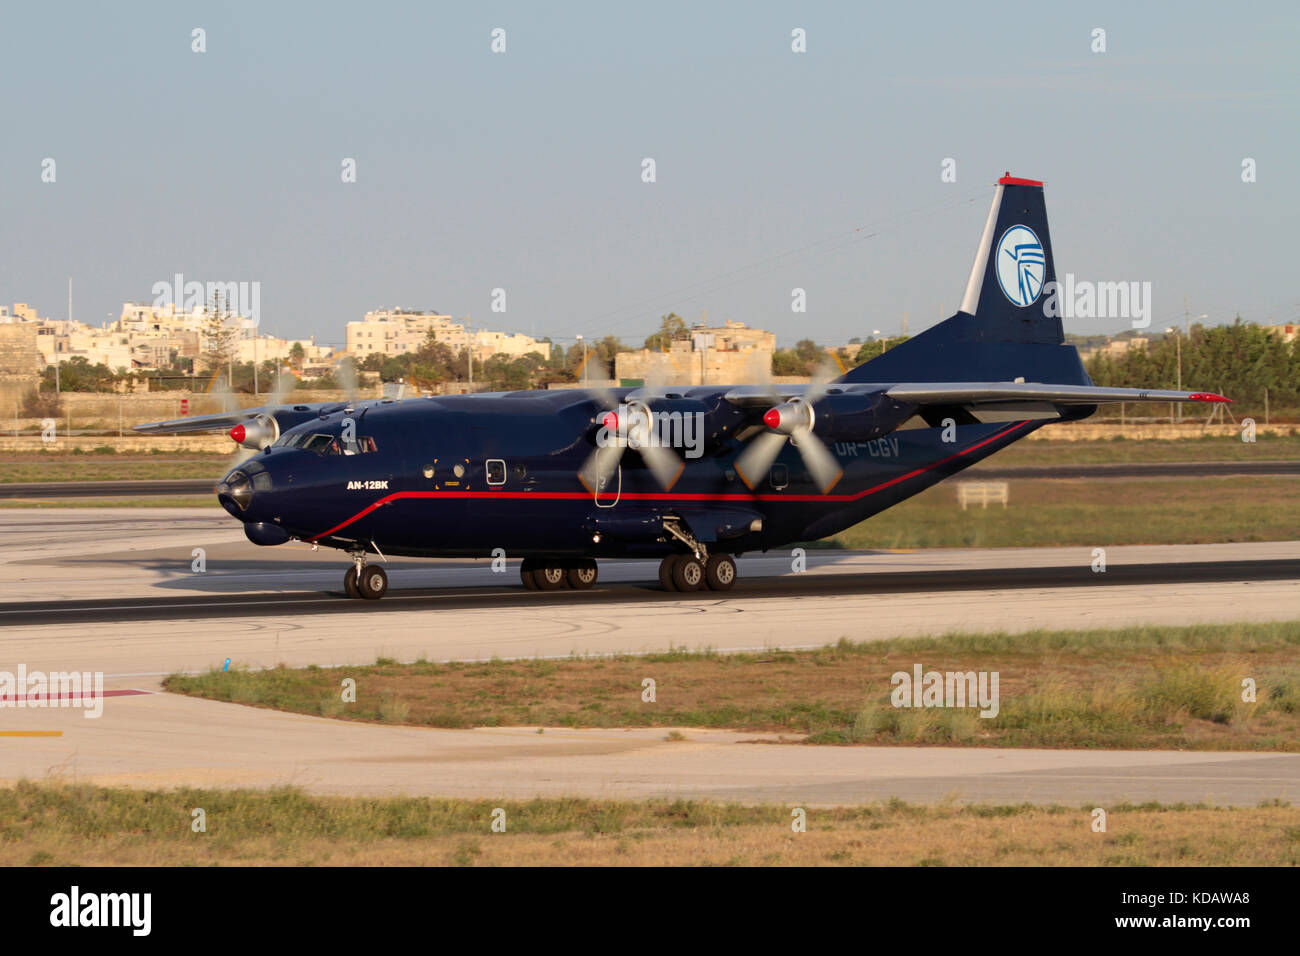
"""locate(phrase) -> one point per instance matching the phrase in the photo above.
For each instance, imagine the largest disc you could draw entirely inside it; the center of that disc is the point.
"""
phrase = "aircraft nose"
(236, 488)
(235, 491)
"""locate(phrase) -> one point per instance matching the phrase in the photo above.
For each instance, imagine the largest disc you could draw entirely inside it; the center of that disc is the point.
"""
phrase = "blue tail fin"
(1002, 331)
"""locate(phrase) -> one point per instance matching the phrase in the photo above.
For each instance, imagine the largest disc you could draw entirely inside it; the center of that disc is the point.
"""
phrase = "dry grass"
(1079, 512)
(1048, 451)
(1137, 688)
(61, 825)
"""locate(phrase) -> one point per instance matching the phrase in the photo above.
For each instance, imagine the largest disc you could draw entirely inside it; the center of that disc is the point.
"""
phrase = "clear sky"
(522, 170)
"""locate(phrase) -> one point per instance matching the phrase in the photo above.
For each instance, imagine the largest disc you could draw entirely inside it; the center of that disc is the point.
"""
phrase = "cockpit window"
(323, 444)
(320, 444)
(328, 444)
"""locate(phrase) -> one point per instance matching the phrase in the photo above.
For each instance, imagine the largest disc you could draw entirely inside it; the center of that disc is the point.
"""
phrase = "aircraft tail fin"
(1003, 331)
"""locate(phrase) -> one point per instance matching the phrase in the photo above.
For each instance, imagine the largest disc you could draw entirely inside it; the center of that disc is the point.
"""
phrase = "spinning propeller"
(630, 425)
(792, 421)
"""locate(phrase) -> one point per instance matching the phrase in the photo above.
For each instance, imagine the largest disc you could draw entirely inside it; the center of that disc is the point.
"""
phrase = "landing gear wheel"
(550, 577)
(350, 583)
(688, 573)
(372, 582)
(581, 574)
(666, 572)
(720, 572)
(526, 569)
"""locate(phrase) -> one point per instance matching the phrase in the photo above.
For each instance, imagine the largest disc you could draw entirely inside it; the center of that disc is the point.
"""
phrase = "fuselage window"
(496, 471)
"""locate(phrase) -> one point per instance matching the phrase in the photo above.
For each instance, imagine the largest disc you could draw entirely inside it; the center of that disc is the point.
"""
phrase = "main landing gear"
(368, 581)
(686, 572)
(697, 569)
(555, 574)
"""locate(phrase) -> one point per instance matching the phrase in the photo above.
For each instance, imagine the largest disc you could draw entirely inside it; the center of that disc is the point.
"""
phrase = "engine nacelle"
(840, 417)
(257, 433)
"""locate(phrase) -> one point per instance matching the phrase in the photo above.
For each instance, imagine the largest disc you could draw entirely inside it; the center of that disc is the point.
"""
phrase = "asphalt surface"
(113, 590)
(514, 596)
(191, 487)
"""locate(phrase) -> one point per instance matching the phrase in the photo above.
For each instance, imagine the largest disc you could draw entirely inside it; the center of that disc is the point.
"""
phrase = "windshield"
(322, 443)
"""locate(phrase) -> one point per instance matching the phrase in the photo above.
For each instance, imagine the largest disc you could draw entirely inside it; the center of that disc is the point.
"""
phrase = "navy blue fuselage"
(468, 475)
(406, 498)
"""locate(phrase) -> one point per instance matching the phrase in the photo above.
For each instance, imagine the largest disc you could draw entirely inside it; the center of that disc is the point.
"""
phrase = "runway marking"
(85, 695)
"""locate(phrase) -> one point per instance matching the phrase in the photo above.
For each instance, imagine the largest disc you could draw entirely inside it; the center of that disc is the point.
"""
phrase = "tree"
(672, 326)
(297, 356)
(876, 347)
(219, 334)
(78, 375)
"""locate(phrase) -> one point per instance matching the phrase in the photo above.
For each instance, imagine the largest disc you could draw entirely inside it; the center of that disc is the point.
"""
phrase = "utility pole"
(469, 351)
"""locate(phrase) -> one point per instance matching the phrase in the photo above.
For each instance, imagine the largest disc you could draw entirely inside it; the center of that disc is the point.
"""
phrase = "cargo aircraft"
(563, 478)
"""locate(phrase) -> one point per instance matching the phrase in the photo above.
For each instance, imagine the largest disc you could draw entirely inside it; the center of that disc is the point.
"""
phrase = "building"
(730, 353)
(20, 362)
(391, 332)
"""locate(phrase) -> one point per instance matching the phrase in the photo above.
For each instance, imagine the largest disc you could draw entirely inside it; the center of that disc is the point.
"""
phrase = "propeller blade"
(821, 464)
(756, 460)
(601, 463)
(281, 386)
(348, 379)
(240, 456)
(821, 379)
(665, 465)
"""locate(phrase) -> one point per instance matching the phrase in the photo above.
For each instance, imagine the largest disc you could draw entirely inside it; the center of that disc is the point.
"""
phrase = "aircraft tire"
(551, 577)
(720, 572)
(350, 583)
(581, 574)
(372, 582)
(666, 572)
(526, 568)
(688, 573)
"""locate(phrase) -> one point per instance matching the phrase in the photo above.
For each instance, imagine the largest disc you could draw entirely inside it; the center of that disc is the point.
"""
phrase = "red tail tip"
(772, 419)
(1207, 397)
(238, 434)
(1009, 180)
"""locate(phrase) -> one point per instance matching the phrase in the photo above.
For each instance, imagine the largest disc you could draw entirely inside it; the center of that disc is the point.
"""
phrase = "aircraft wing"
(285, 415)
(223, 421)
(974, 393)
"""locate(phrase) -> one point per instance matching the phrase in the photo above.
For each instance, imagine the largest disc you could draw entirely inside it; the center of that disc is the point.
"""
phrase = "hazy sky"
(522, 170)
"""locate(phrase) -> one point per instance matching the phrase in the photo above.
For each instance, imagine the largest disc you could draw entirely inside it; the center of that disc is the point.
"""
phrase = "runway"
(114, 590)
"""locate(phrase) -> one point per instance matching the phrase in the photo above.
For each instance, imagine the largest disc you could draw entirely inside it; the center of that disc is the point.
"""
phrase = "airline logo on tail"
(1021, 266)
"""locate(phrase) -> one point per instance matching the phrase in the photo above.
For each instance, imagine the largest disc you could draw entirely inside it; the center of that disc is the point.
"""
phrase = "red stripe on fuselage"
(661, 495)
